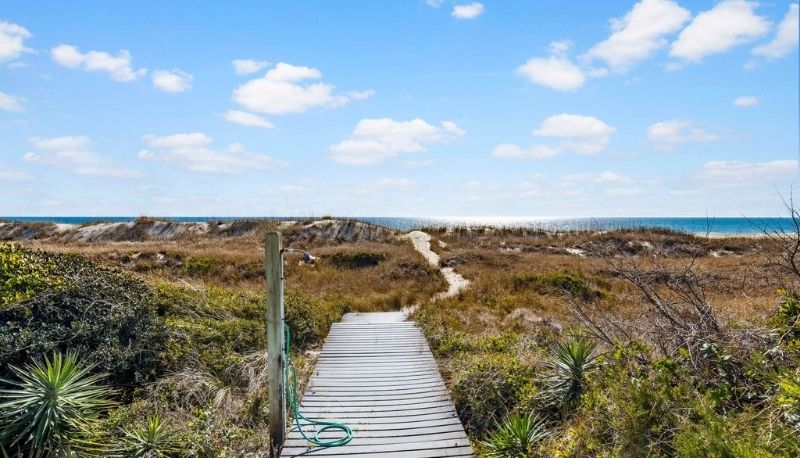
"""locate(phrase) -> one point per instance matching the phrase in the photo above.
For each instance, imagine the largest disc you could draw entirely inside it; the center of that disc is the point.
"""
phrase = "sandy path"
(422, 243)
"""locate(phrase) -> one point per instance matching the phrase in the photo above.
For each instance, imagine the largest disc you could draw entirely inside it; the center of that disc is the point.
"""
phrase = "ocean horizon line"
(732, 225)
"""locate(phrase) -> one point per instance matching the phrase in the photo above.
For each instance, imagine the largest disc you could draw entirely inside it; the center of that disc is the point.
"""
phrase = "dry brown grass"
(736, 277)
(401, 279)
(735, 273)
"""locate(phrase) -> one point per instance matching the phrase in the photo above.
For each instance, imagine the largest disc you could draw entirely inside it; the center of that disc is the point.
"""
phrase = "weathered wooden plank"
(373, 450)
(377, 375)
(299, 442)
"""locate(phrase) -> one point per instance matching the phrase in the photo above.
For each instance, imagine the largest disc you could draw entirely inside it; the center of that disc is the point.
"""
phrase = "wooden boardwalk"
(377, 375)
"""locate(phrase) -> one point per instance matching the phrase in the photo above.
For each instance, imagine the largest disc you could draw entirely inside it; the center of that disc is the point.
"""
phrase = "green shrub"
(52, 406)
(488, 388)
(629, 407)
(571, 363)
(309, 318)
(22, 274)
(356, 260)
(740, 435)
(561, 282)
(106, 315)
(155, 439)
(200, 266)
(215, 327)
(517, 437)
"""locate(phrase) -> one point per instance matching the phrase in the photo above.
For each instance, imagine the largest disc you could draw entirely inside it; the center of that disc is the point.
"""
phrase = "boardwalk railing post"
(273, 265)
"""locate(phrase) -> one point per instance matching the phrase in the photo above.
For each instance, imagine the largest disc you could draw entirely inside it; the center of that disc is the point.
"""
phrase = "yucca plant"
(52, 406)
(517, 437)
(155, 439)
(565, 379)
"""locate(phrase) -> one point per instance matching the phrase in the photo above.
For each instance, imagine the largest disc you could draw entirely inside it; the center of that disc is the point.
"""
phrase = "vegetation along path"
(377, 375)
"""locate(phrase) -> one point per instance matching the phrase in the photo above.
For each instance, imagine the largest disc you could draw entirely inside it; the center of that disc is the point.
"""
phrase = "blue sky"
(414, 108)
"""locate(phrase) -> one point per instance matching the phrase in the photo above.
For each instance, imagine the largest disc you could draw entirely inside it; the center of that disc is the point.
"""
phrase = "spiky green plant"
(517, 437)
(155, 439)
(52, 406)
(565, 380)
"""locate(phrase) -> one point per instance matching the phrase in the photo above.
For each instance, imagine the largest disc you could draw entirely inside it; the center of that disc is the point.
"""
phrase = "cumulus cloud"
(172, 81)
(786, 38)
(639, 33)
(117, 67)
(396, 183)
(247, 66)
(666, 135)
(574, 133)
(288, 89)
(556, 72)
(727, 24)
(193, 152)
(12, 41)
(75, 154)
(739, 173)
(247, 119)
(746, 101)
(376, 140)
(580, 134)
(467, 10)
(10, 102)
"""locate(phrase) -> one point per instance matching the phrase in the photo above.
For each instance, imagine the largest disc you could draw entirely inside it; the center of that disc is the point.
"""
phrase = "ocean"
(695, 225)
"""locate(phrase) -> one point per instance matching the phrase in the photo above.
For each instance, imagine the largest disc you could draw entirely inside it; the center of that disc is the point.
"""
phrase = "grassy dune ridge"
(721, 382)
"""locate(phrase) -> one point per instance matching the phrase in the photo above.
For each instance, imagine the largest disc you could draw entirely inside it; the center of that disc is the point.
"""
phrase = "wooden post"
(273, 265)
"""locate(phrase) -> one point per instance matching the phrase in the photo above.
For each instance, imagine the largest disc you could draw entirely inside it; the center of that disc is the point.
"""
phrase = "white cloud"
(511, 151)
(247, 66)
(434, 3)
(172, 81)
(10, 102)
(376, 140)
(666, 135)
(74, 153)
(581, 134)
(467, 10)
(247, 119)
(786, 38)
(575, 133)
(193, 152)
(746, 101)
(727, 24)
(12, 40)
(556, 72)
(288, 89)
(639, 33)
(738, 173)
(396, 183)
(118, 67)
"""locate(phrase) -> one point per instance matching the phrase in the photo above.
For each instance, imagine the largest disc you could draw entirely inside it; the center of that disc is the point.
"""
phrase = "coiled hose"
(291, 393)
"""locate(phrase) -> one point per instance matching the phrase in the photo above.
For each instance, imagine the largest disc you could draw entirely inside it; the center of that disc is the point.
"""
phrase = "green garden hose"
(291, 393)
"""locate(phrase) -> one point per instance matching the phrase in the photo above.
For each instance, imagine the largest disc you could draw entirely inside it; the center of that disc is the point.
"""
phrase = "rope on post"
(291, 394)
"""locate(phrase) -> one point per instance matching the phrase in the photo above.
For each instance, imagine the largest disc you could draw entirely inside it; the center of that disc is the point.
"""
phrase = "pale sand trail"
(422, 243)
